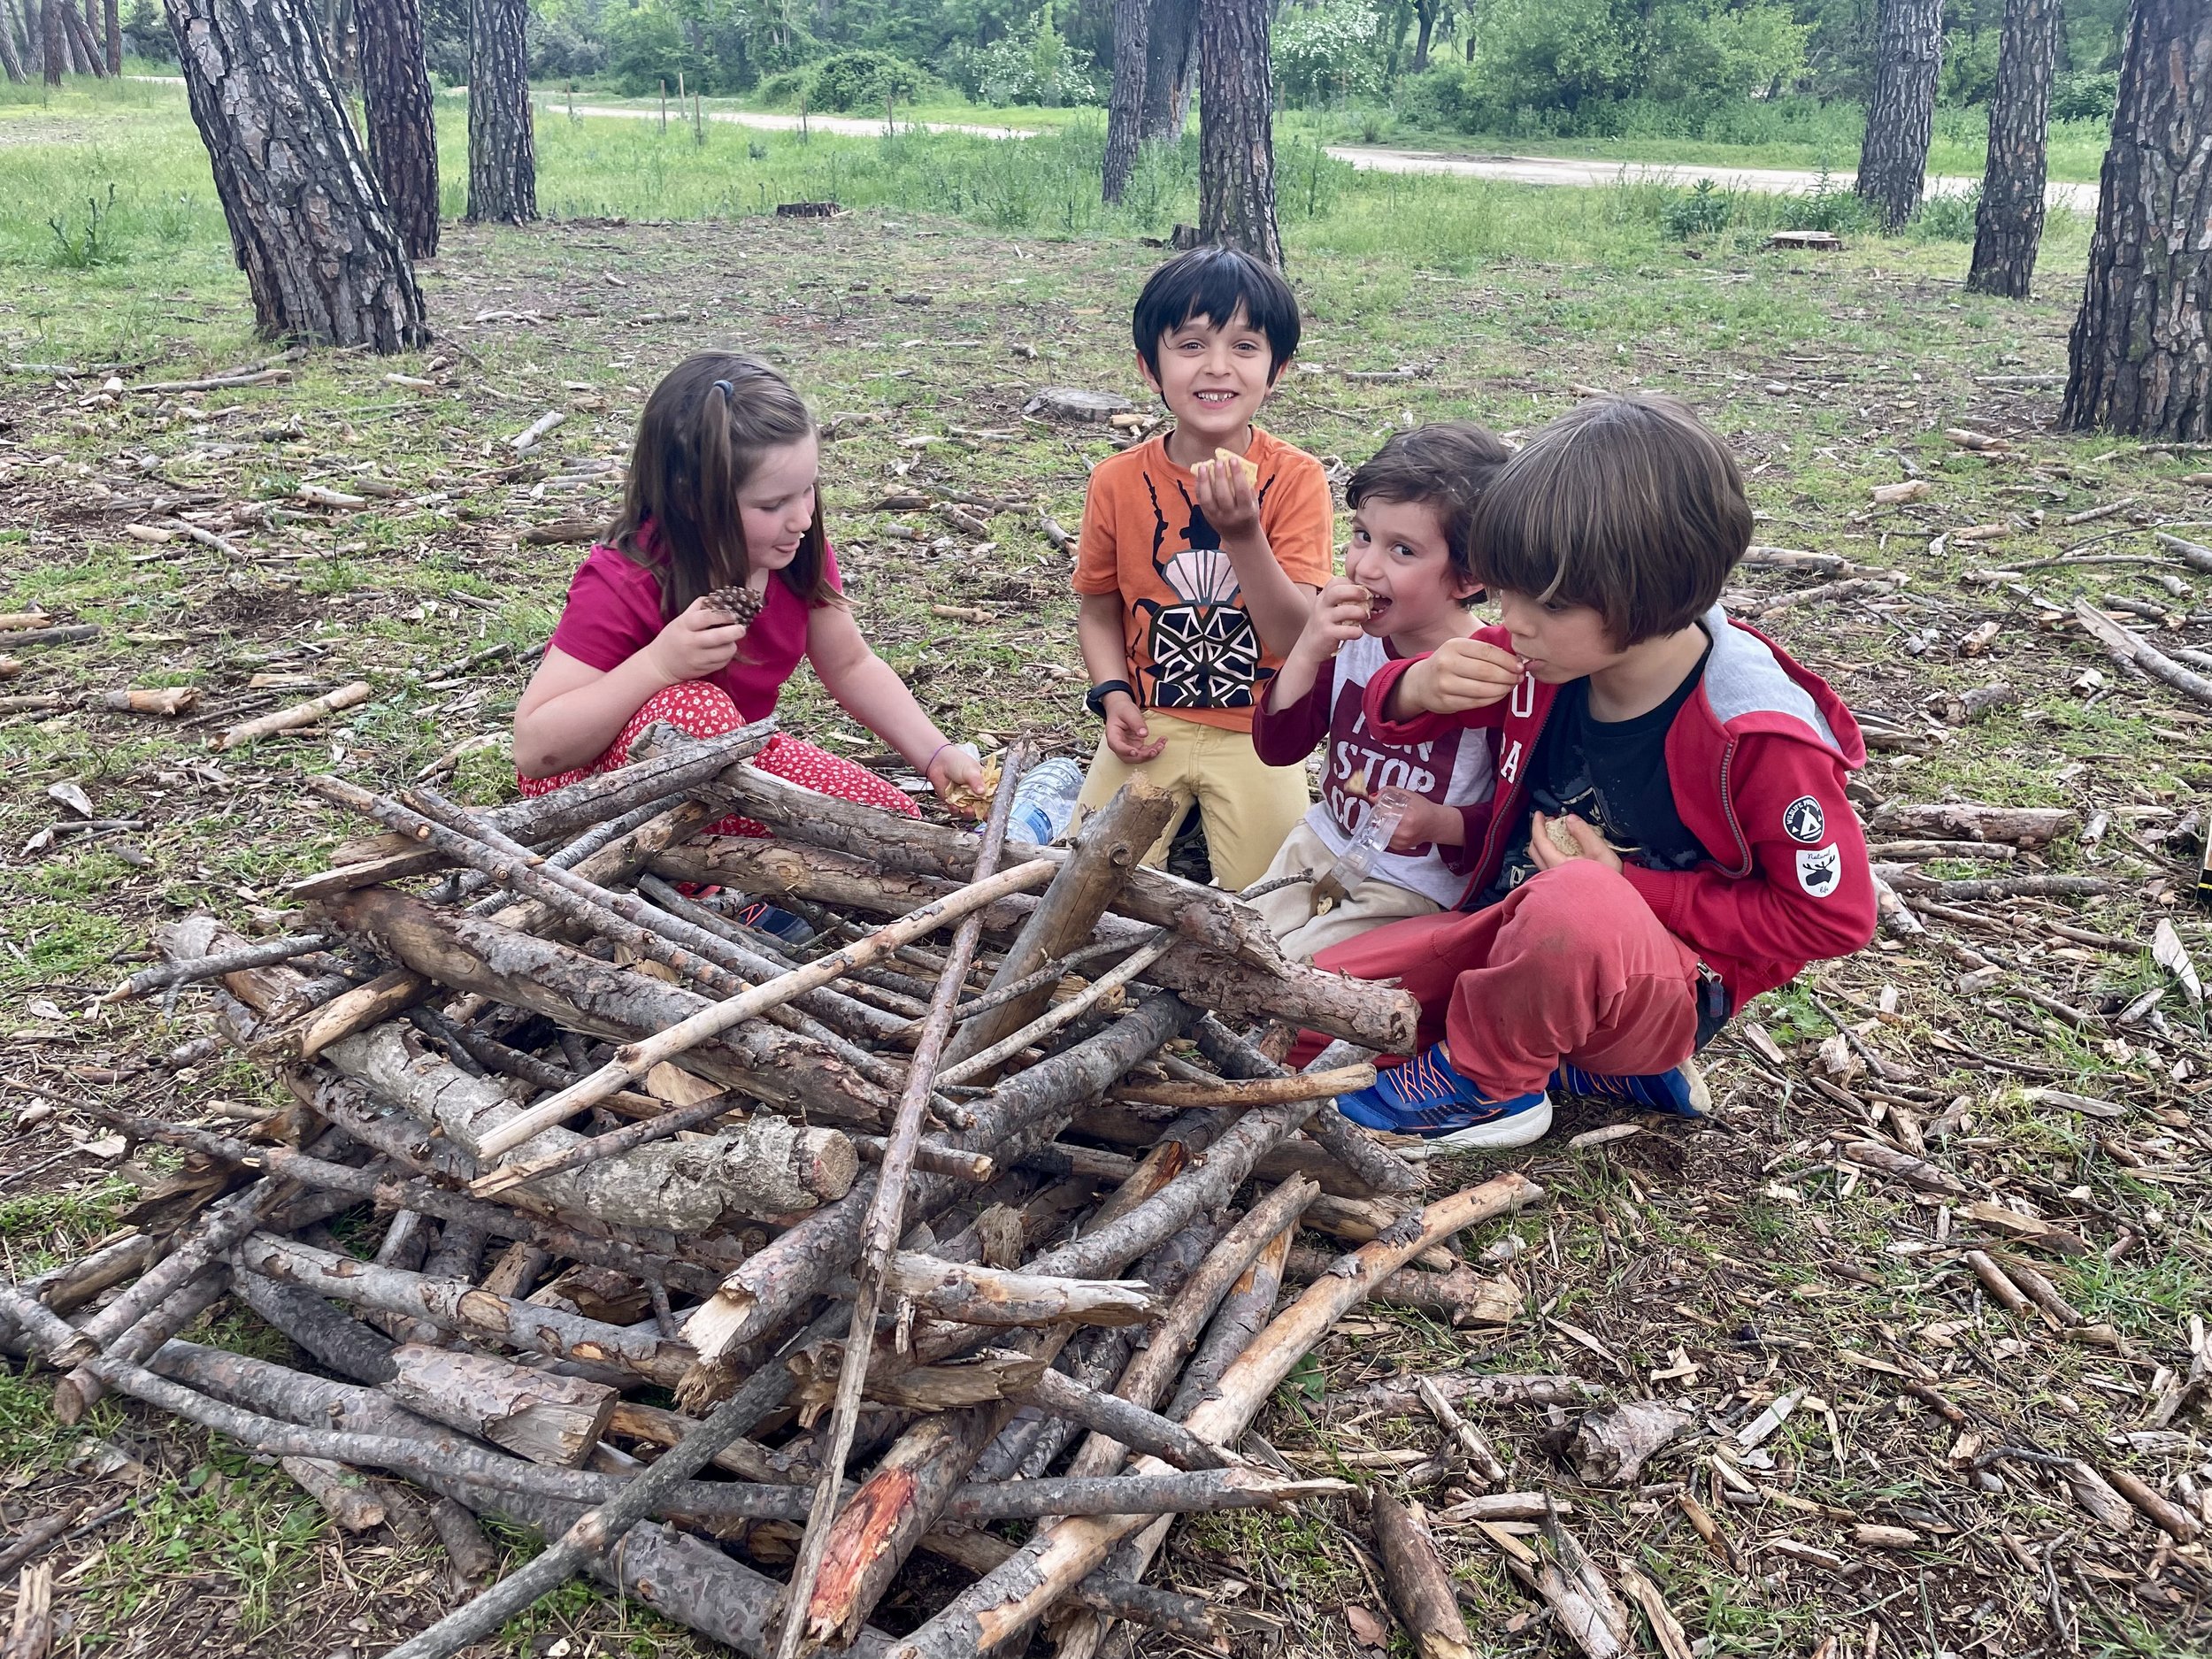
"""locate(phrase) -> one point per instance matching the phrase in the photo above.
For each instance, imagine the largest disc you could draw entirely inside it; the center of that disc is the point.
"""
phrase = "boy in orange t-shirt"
(1201, 554)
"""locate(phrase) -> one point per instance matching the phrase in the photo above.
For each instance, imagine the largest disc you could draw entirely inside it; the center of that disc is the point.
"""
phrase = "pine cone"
(742, 602)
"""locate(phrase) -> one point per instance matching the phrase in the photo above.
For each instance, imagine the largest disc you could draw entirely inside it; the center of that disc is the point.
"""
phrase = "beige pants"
(1247, 806)
(1289, 912)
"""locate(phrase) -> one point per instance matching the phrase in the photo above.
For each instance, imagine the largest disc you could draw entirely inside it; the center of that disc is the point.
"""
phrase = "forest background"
(1786, 77)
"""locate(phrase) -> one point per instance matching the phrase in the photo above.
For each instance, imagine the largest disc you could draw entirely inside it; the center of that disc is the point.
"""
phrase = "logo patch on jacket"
(1819, 870)
(1804, 821)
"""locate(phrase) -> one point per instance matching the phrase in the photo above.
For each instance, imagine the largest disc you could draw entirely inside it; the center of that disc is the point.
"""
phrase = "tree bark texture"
(2140, 359)
(86, 49)
(1900, 114)
(1170, 66)
(2009, 223)
(470, 954)
(112, 17)
(309, 226)
(1236, 138)
(766, 1168)
(403, 136)
(460, 1306)
(1125, 105)
(11, 58)
(54, 41)
(537, 1415)
(503, 155)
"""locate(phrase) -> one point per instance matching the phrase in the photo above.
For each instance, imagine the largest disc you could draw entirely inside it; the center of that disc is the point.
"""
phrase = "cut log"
(1118, 1419)
(985, 1295)
(1002, 1606)
(2028, 826)
(1267, 1091)
(460, 1306)
(341, 1492)
(798, 1263)
(768, 1167)
(637, 1058)
(1105, 854)
(1420, 1588)
(333, 1338)
(292, 719)
(1243, 1311)
(1459, 1297)
(583, 993)
(1378, 1016)
(537, 1415)
(1350, 1145)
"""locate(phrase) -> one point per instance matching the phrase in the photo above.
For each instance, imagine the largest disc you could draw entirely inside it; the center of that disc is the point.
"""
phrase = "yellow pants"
(1289, 912)
(1247, 806)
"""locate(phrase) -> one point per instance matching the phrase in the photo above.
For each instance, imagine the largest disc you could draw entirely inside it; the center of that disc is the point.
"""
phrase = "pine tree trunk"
(307, 222)
(403, 136)
(2140, 359)
(112, 18)
(2009, 223)
(1171, 64)
(1125, 105)
(1236, 141)
(90, 60)
(11, 59)
(1424, 11)
(1900, 115)
(502, 159)
(55, 41)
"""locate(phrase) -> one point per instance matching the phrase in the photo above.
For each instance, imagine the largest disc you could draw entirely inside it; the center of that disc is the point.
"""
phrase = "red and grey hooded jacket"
(1756, 760)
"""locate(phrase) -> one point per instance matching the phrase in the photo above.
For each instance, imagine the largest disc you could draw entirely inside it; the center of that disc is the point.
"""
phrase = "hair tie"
(729, 392)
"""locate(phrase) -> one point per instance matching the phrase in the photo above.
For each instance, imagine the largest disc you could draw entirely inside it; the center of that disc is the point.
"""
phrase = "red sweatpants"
(705, 710)
(1570, 965)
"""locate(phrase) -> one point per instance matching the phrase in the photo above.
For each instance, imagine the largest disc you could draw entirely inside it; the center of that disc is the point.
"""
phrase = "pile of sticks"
(745, 1270)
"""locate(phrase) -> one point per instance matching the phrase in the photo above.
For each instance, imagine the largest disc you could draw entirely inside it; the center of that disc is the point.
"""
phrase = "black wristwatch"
(1094, 699)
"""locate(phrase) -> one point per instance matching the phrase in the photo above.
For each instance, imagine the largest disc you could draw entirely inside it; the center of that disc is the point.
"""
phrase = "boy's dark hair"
(701, 437)
(1216, 283)
(1629, 505)
(1445, 467)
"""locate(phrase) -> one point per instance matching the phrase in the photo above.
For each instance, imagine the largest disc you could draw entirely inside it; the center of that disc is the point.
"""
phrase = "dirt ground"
(1803, 1252)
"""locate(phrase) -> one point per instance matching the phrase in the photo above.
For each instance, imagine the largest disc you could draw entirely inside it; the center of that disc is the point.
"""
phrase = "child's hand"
(1127, 735)
(1426, 824)
(1588, 843)
(1462, 675)
(1338, 615)
(952, 768)
(1226, 498)
(698, 643)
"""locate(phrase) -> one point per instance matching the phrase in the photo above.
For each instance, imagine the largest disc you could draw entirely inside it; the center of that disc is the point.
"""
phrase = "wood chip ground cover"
(1878, 1121)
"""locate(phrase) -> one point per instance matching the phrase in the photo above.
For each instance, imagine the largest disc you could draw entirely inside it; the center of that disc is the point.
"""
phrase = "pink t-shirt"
(614, 611)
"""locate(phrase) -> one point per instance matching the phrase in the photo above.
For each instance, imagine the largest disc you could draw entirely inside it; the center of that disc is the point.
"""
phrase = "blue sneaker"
(1681, 1092)
(1426, 1097)
(763, 918)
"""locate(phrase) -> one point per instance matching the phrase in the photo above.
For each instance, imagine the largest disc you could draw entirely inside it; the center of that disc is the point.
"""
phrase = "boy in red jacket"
(1671, 835)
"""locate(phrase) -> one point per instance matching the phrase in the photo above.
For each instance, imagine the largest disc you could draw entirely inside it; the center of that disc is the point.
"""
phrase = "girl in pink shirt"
(721, 494)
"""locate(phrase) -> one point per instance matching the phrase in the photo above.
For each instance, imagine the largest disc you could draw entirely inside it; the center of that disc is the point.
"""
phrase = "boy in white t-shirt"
(1407, 587)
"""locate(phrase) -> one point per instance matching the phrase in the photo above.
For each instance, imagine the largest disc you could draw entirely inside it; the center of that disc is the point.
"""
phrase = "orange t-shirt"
(1193, 651)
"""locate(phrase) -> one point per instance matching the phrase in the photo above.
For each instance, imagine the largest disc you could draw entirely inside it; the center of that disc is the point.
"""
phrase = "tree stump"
(310, 228)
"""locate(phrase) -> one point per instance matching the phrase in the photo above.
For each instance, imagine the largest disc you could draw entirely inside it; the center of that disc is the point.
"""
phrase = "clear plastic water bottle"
(1044, 801)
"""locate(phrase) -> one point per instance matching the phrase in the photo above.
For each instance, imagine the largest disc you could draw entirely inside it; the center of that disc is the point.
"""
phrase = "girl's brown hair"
(1629, 505)
(1444, 466)
(702, 436)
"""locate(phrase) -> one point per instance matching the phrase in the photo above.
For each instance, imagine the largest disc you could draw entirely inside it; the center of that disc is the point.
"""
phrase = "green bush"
(2086, 95)
(1824, 207)
(865, 80)
(1327, 51)
(1704, 210)
(1032, 64)
(1949, 215)
(786, 89)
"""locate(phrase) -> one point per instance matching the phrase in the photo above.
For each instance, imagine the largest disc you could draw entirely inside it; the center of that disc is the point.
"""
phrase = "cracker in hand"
(1235, 463)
